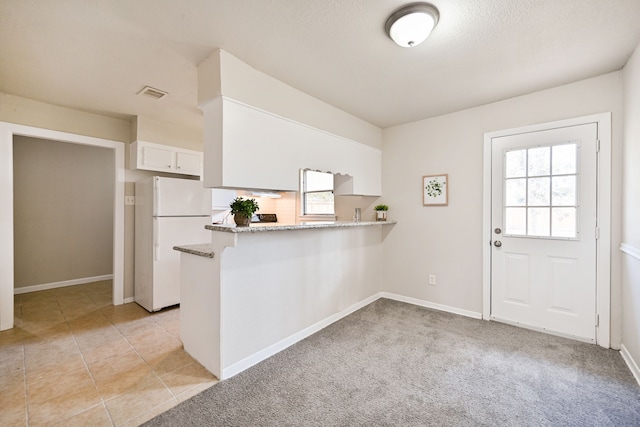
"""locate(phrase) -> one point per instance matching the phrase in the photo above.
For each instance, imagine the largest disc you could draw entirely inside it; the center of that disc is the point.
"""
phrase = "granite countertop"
(262, 227)
(206, 249)
(202, 249)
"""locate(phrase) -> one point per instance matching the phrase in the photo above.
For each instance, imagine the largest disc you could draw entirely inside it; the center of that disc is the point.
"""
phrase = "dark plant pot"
(242, 220)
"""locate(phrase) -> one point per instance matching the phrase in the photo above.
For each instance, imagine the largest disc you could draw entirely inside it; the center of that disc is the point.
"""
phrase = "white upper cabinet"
(189, 162)
(164, 158)
(246, 147)
(153, 157)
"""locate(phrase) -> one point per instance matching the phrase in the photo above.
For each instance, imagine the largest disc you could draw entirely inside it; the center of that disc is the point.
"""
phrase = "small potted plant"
(243, 210)
(381, 212)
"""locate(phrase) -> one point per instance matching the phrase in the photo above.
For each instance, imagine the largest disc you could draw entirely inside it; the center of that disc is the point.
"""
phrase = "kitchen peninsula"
(253, 291)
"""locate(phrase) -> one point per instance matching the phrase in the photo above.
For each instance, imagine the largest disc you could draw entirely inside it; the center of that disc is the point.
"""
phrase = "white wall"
(23, 111)
(305, 276)
(174, 134)
(631, 209)
(447, 241)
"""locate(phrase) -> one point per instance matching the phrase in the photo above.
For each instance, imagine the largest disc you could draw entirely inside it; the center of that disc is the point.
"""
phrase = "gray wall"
(63, 211)
(447, 241)
(631, 209)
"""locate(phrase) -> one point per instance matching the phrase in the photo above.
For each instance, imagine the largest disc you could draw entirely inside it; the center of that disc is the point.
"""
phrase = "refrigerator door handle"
(156, 194)
(156, 245)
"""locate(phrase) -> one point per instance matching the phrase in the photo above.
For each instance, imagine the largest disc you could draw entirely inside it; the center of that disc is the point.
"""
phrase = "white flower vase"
(381, 215)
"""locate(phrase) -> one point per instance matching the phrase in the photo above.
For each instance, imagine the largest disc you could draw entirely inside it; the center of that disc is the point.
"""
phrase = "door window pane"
(515, 163)
(563, 222)
(564, 159)
(516, 192)
(539, 161)
(538, 192)
(538, 222)
(564, 190)
(541, 191)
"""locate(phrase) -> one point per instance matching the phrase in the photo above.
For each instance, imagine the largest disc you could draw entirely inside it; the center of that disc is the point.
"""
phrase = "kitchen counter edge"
(302, 226)
(202, 249)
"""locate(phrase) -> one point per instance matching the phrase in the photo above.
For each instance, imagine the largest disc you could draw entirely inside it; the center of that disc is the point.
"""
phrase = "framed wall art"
(435, 190)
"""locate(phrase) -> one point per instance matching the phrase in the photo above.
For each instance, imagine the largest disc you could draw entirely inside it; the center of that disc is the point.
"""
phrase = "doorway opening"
(63, 214)
(7, 133)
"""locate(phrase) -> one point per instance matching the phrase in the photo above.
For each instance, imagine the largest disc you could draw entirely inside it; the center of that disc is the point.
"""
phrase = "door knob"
(497, 243)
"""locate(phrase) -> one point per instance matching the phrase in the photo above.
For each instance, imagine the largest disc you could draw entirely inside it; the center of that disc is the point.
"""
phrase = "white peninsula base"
(252, 293)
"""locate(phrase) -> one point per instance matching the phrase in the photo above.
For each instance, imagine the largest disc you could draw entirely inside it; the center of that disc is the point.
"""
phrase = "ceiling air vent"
(152, 92)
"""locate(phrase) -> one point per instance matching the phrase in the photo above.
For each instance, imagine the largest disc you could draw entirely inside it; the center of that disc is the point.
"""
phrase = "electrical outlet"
(129, 200)
(432, 279)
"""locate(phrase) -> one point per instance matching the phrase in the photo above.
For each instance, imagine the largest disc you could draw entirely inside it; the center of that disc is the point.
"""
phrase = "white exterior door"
(544, 230)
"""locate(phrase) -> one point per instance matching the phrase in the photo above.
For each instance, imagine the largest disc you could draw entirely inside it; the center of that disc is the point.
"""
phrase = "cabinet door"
(188, 163)
(157, 158)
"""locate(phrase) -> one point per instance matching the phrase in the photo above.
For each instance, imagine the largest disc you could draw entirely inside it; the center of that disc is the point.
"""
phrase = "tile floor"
(75, 359)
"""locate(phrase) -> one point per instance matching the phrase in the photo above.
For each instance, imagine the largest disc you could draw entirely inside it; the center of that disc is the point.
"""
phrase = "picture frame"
(435, 190)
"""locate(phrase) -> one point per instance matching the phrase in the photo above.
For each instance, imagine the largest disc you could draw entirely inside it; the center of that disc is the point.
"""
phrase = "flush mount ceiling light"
(411, 24)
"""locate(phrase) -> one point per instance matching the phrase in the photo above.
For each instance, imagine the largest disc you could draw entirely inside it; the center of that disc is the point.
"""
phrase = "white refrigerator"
(168, 212)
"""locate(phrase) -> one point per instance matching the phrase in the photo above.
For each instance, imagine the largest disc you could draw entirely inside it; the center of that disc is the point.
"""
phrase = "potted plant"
(381, 212)
(243, 210)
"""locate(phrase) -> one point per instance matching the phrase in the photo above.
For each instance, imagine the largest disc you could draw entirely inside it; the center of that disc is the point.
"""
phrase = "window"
(541, 191)
(317, 193)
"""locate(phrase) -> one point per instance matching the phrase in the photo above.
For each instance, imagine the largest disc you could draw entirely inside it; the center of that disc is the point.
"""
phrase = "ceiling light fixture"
(411, 24)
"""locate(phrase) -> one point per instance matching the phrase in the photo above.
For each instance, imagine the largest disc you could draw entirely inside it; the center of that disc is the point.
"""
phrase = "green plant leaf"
(245, 206)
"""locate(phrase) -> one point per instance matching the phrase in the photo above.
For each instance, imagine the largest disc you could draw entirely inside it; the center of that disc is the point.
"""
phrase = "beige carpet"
(395, 364)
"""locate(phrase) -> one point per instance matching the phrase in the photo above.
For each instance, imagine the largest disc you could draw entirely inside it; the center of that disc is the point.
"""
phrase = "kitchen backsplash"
(284, 206)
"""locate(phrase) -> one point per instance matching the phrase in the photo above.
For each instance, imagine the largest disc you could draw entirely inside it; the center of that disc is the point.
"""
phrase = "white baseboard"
(263, 354)
(433, 305)
(258, 357)
(128, 300)
(54, 285)
(633, 366)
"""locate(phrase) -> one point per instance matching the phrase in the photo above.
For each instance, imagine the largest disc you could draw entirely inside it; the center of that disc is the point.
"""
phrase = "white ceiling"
(97, 55)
